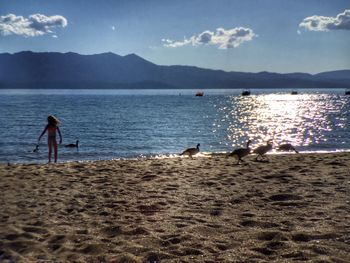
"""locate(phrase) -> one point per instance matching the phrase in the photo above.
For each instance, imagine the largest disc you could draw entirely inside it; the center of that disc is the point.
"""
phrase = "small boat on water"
(294, 92)
(199, 94)
(245, 93)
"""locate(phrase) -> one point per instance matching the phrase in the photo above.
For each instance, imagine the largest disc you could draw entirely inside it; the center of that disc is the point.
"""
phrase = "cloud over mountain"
(34, 25)
(326, 23)
(230, 38)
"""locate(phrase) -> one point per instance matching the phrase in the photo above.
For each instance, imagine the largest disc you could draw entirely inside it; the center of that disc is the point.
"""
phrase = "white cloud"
(113, 28)
(34, 25)
(223, 38)
(326, 23)
(172, 43)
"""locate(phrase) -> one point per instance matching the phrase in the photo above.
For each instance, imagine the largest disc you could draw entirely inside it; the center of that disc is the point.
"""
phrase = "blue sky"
(254, 35)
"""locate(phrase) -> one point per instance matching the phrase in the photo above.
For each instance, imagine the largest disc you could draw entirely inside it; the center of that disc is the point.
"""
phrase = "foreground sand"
(294, 208)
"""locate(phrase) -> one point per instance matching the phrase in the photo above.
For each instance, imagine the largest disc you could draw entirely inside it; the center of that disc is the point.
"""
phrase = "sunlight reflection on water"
(298, 119)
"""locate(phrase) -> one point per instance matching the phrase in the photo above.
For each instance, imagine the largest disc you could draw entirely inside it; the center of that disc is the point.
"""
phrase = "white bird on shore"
(287, 147)
(241, 152)
(262, 150)
(191, 151)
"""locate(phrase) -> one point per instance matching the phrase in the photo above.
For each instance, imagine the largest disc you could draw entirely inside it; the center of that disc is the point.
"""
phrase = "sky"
(233, 35)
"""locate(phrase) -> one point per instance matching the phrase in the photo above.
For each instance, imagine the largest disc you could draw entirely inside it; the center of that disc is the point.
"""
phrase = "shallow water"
(132, 123)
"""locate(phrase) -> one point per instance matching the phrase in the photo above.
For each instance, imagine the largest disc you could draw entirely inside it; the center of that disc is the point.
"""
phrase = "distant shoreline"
(195, 89)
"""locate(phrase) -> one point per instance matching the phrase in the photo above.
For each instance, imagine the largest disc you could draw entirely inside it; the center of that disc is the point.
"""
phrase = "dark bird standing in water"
(262, 150)
(191, 151)
(241, 152)
(72, 145)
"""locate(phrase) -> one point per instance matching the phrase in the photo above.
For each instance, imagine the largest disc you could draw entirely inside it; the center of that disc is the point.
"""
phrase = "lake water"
(142, 123)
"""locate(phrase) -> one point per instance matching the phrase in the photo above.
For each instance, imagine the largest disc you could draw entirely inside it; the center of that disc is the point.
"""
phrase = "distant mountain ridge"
(108, 70)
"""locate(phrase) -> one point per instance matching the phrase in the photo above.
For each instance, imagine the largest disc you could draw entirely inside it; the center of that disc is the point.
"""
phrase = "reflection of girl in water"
(51, 127)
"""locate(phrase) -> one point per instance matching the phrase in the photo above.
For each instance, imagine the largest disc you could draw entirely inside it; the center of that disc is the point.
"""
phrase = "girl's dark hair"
(52, 120)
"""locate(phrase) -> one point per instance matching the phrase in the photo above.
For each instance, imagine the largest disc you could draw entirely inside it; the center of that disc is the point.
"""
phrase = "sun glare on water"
(284, 118)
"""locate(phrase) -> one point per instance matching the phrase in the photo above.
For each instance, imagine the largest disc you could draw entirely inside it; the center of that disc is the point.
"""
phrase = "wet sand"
(294, 208)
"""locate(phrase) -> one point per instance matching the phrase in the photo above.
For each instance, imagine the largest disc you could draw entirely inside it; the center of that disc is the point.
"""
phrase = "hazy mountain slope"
(108, 70)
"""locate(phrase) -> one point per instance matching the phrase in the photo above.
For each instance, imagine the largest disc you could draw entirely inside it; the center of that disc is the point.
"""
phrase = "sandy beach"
(294, 208)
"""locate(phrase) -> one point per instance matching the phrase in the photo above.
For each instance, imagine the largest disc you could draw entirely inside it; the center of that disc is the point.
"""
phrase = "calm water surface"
(132, 123)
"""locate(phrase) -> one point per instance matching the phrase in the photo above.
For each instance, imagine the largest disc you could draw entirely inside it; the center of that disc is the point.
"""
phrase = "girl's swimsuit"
(51, 137)
(51, 134)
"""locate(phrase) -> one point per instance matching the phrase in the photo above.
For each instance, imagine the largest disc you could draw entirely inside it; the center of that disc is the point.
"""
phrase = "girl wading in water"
(51, 128)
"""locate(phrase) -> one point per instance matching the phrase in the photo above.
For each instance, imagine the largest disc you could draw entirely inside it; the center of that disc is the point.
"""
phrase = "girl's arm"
(41, 135)
(59, 133)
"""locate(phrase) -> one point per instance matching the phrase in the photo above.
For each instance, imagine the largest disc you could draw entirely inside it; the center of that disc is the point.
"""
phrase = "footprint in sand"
(34, 229)
(284, 197)
(149, 209)
(272, 235)
(92, 249)
(112, 231)
(22, 246)
(260, 224)
(148, 177)
(56, 242)
(301, 237)
(287, 200)
(137, 231)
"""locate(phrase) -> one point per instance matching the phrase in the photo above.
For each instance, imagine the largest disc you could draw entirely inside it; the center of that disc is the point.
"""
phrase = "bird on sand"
(286, 147)
(241, 152)
(191, 151)
(73, 145)
(262, 150)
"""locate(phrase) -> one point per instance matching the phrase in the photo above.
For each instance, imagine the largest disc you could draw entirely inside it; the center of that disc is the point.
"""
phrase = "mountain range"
(108, 70)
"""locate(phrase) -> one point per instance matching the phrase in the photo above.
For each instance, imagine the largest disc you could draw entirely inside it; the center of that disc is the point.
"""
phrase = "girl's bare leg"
(56, 151)
(50, 150)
